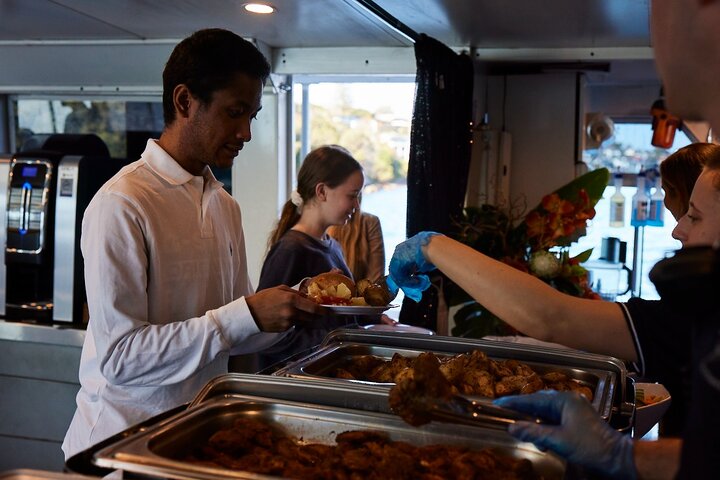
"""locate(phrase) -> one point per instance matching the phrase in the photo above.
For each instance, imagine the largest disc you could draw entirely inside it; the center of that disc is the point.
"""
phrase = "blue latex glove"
(408, 264)
(580, 435)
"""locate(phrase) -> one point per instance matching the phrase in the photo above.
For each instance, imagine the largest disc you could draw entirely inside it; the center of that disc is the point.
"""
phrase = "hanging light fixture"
(261, 8)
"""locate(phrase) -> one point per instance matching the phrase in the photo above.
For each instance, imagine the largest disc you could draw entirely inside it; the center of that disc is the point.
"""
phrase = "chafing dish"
(605, 376)
(307, 410)
(31, 474)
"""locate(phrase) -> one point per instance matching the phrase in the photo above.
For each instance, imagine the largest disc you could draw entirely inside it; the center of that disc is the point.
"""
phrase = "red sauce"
(328, 300)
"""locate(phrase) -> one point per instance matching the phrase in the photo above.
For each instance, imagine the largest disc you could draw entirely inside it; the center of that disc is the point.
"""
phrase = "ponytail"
(288, 218)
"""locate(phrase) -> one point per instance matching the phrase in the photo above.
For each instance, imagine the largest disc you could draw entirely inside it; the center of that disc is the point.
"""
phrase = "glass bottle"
(640, 203)
(657, 205)
(617, 203)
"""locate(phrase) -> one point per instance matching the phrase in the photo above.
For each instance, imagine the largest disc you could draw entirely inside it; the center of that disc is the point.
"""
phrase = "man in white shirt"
(165, 266)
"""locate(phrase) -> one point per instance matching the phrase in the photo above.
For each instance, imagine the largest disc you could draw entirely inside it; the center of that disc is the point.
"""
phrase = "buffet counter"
(38, 380)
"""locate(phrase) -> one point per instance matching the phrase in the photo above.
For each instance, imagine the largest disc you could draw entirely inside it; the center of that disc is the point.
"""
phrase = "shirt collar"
(170, 170)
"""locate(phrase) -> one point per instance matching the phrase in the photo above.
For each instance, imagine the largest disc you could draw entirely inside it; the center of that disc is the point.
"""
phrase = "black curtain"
(440, 143)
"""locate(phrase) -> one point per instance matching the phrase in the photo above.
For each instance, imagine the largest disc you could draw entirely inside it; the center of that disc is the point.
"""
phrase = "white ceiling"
(316, 23)
(483, 24)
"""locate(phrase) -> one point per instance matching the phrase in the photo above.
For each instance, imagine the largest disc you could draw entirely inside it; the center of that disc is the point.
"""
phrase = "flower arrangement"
(537, 243)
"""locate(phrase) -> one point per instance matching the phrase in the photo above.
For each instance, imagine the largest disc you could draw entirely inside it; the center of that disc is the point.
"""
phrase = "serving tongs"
(464, 411)
(422, 394)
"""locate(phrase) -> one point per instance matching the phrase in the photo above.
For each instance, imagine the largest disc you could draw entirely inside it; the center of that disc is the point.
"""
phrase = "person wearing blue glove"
(577, 433)
(409, 265)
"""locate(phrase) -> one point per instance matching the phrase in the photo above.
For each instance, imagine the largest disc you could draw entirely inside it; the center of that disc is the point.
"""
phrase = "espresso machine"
(48, 191)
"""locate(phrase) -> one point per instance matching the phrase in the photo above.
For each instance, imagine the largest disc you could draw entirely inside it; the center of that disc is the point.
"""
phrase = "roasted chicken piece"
(366, 455)
(470, 373)
(418, 388)
(477, 382)
(387, 372)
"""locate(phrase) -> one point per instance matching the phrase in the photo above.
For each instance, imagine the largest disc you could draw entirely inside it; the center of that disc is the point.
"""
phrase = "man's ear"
(182, 98)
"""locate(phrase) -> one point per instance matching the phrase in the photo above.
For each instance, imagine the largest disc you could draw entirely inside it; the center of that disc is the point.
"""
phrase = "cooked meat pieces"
(472, 373)
(357, 455)
(418, 388)
(477, 382)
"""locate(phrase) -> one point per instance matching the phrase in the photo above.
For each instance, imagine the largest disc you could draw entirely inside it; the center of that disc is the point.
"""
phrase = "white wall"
(259, 178)
(539, 112)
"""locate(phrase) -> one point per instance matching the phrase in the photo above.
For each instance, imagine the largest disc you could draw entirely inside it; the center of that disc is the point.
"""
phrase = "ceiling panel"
(507, 25)
(527, 23)
(319, 23)
(297, 23)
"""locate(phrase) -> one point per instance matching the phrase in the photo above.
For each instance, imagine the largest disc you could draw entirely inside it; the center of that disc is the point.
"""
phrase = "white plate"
(357, 310)
(648, 415)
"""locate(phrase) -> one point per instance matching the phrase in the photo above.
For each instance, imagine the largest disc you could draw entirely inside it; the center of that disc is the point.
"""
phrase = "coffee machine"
(48, 191)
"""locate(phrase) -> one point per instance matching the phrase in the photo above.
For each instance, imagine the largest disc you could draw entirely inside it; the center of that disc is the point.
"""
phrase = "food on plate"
(648, 399)
(377, 294)
(332, 288)
(472, 373)
(258, 446)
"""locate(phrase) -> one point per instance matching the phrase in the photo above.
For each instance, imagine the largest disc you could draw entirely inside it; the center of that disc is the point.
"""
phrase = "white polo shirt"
(166, 273)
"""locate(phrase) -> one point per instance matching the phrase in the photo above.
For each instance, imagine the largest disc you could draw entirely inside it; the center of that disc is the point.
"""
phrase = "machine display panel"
(28, 171)
(32, 173)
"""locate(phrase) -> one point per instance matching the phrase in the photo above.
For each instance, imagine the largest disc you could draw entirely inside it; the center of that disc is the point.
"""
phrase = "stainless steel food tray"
(606, 376)
(31, 474)
(158, 451)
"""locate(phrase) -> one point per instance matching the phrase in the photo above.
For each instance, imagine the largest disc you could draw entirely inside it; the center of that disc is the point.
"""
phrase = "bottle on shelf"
(657, 204)
(617, 203)
(640, 203)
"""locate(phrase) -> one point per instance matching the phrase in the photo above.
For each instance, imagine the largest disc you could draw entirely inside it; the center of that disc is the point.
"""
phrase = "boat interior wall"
(540, 67)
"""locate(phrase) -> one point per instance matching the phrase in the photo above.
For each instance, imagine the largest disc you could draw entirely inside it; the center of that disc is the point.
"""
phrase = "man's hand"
(580, 434)
(279, 308)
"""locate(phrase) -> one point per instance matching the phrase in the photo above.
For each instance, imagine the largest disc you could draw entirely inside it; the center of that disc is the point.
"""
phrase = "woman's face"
(673, 201)
(701, 224)
(343, 200)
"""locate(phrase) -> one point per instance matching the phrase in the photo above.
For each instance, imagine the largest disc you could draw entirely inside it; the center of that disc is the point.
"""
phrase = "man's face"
(218, 130)
(700, 226)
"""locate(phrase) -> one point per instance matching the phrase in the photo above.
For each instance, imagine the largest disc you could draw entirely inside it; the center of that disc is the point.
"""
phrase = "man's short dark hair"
(206, 61)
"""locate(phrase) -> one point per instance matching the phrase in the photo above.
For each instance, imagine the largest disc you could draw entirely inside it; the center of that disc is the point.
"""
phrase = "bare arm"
(530, 305)
(658, 460)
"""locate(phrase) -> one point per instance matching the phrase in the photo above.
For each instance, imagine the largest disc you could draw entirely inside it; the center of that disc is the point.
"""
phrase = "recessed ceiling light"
(259, 8)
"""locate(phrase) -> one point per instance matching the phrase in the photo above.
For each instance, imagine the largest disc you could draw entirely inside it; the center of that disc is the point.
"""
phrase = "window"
(123, 125)
(372, 120)
(629, 151)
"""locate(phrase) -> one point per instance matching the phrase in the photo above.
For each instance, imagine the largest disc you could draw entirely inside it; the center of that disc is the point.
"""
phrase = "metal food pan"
(600, 374)
(32, 474)
(159, 452)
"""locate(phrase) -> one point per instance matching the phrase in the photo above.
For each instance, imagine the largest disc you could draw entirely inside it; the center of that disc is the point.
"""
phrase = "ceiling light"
(259, 8)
